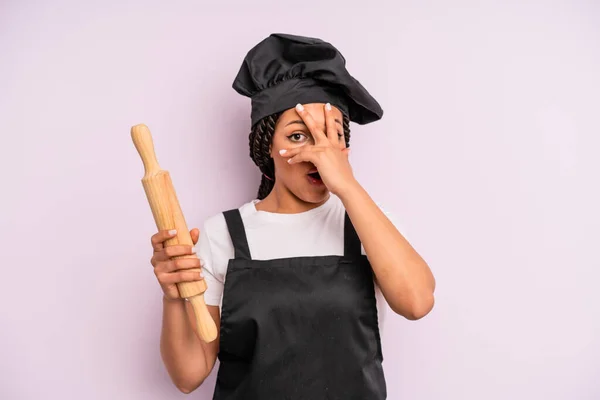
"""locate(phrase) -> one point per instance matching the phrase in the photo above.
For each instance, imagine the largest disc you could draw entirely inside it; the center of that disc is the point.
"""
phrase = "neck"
(282, 201)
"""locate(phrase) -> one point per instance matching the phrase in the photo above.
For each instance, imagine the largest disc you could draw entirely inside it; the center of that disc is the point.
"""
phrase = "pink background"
(488, 152)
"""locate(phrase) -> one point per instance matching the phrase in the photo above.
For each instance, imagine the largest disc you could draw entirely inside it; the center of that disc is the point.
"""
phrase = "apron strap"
(237, 233)
(352, 244)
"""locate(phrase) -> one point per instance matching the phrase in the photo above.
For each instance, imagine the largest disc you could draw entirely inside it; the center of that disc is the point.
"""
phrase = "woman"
(291, 275)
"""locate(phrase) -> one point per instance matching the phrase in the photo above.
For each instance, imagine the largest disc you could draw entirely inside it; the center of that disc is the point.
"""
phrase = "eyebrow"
(299, 121)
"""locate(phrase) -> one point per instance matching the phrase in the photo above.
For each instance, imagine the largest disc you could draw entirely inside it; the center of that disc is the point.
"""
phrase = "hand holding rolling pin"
(176, 263)
(169, 268)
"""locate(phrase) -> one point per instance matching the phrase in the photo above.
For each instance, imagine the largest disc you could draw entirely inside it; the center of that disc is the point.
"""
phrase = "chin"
(313, 195)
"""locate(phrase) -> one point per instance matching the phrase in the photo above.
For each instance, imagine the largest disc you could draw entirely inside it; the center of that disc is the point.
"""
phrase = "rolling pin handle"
(142, 140)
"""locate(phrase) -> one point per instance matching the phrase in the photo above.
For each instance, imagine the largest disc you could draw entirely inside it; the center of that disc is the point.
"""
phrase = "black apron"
(302, 328)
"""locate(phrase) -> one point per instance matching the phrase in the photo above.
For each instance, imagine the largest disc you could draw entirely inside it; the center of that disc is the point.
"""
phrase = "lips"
(314, 173)
(314, 177)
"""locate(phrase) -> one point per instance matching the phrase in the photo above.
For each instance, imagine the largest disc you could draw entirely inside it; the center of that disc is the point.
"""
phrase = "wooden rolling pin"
(167, 213)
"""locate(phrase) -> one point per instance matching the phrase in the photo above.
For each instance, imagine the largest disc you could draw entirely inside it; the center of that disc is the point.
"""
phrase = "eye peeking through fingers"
(297, 137)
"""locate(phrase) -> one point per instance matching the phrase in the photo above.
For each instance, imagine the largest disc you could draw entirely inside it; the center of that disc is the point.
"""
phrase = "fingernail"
(283, 151)
(200, 275)
(172, 231)
(201, 262)
(193, 249)
(328, 107)
(299, 107)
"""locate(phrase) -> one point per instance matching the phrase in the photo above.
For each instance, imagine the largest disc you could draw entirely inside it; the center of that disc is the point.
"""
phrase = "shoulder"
(215, 226)
(215, 248)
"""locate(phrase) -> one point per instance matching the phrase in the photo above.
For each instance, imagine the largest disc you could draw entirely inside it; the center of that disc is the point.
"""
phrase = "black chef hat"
(284, 70)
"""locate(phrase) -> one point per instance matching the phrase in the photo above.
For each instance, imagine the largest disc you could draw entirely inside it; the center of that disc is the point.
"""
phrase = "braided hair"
(260, 140)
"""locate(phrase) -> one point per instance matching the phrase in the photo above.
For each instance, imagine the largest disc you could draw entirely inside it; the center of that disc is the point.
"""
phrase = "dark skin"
(293, 192)
(306, 139)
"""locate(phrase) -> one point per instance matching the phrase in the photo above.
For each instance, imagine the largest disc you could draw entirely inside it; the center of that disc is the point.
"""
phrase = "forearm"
(403, 276)
(184, 355)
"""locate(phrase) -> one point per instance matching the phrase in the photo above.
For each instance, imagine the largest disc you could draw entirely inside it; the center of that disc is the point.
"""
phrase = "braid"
(260, 139)
(346, 123)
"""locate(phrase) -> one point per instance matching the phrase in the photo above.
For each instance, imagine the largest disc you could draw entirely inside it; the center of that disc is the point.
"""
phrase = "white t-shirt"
(317, 232)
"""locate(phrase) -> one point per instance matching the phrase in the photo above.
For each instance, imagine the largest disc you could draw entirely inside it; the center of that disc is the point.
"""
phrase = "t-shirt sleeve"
(212, 273)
